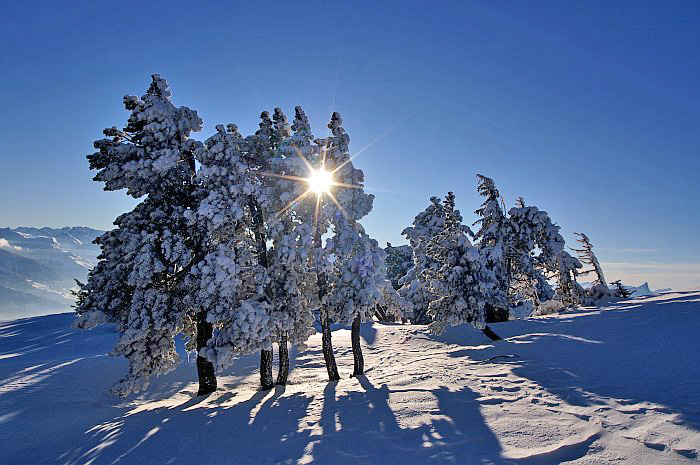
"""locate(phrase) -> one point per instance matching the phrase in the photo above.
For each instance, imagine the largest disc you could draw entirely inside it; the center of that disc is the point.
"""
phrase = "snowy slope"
(38, 267)
(619, 384)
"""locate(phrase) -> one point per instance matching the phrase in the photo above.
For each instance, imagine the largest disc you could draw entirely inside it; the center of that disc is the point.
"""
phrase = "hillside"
(619, 384)
(38, 268)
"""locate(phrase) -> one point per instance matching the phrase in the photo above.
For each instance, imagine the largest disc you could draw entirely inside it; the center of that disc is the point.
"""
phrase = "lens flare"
(320, 181)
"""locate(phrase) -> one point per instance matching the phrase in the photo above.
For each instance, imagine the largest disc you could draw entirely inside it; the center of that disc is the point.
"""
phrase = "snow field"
(617, 384)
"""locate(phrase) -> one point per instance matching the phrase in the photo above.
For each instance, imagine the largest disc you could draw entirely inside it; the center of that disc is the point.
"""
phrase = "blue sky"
(589, 110)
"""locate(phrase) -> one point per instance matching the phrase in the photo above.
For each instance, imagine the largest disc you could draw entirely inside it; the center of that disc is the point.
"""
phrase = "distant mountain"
(38, 268)
(645, 290)
(640, 290)
(637, 291)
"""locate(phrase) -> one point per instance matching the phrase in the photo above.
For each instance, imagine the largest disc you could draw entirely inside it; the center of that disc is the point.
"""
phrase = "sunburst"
(319, 182)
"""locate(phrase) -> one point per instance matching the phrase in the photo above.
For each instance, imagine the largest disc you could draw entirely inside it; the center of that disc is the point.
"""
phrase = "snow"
(641, 290)
(616, 384)
(38, 268)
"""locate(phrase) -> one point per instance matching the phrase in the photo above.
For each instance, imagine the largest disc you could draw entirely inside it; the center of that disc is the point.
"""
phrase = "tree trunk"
(326, 338)
(381, 314)
(490, 334)
(266, 382)
(494, 314)
(205, 369)
(328, 355)
(357, 347)
(283, 373)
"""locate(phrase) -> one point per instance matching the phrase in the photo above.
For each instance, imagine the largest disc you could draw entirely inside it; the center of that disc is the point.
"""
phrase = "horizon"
(587, 111)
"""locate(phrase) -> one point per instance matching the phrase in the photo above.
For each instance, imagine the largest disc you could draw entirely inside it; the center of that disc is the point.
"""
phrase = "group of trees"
(226, 245)
(514, 258)
(241, 243)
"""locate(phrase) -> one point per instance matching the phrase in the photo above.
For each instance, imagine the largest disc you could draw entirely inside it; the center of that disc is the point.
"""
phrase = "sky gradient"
(589, 110)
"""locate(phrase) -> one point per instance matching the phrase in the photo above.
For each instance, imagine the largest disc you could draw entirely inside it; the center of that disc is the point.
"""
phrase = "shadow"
(262, 429)
(368, 332)
(629, 353)
(360, 427)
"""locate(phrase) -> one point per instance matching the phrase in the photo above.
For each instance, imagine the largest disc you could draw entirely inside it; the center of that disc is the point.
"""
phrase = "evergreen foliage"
(141, 281)
(456, 275)
(620, 290)
(398, 261)
(492, 242)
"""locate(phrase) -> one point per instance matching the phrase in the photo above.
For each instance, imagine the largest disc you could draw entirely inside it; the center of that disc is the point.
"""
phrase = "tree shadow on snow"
(260, 430)
(626, 352)
(361, 428)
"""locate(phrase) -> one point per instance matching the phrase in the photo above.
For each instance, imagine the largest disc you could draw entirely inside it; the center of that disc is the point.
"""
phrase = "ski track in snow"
(619, 384)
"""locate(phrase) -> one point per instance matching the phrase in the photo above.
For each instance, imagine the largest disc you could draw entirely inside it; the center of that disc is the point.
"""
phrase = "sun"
(320, 181)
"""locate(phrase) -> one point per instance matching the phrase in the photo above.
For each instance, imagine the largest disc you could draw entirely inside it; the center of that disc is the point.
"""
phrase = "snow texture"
(586, 387)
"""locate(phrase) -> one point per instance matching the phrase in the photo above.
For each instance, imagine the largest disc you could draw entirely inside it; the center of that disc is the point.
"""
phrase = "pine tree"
(230, 216)
(587, 257)
(599, 288)
(140, 282)
(492, 238)
(359, 271)
(414, 287)
(265, 142)
(268, 301)
(621, 290)
(391, 306)
(291, 282)
(569, 292)
(457, 276)
(356, 282)
(300, 157)
(531, 231)
(398, 261)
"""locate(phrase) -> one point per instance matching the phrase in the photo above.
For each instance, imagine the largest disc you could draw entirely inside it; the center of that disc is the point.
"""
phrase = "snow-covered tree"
(355, 284)
(569, 292)
(303, 158)
(587, 257)
(398, 261)
(414, 287)
(232, 278)
(359, 271)
(492, 238)
(532, 247)
(266, 300)
(599, 288)
(292, 283)
(391, 306)
(457, 276)
(140, 282)
(620, 289)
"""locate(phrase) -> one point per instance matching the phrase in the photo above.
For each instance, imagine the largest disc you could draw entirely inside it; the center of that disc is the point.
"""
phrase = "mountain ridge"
(39, 266)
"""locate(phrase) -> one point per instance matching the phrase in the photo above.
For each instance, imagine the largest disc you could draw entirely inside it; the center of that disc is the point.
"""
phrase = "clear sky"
(589, 110)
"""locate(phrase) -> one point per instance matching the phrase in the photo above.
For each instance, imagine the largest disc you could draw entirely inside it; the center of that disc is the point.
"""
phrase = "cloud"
(629, 250)
(678, 267)
(659, 275)
(6, 245)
